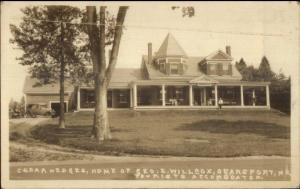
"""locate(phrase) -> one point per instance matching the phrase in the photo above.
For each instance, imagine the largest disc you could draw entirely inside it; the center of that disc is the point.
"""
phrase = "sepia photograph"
(103, 94)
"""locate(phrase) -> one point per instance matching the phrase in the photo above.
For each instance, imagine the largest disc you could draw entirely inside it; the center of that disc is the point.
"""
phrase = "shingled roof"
(170, 47)
(32, 85)
(121, 78)
(191, 72)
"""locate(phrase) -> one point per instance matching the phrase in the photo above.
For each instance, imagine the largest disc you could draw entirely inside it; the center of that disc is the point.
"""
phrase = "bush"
(14, 136)
(280, 95)
(46, 134)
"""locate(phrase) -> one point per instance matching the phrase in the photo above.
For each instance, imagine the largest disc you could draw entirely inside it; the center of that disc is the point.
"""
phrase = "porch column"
(216, 95)
(268, 96)
(253, 97)
(204, 96)
(191, 95)
(242, 95)
(134, 96)
(163, 95)
(131, 94)
(78, 99)
(25, 104)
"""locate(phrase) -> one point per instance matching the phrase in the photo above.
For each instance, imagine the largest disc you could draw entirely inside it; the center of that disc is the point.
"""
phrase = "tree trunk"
(101, 125)
(101, 129)
(61, 81)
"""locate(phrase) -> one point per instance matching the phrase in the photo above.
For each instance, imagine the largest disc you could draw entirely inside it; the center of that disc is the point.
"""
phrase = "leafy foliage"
(39, 37)
(280, 88)
(264, 71)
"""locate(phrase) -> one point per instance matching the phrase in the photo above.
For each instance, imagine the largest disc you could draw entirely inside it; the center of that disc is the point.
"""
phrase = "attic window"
(174, 68)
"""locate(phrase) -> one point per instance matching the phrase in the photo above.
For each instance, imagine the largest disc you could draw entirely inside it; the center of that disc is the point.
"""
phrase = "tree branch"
(116, 43)
(102, 61)
(93, 36)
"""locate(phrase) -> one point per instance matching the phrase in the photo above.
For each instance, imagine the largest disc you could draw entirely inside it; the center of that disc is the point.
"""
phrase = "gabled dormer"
(217, 63)
(170, 57)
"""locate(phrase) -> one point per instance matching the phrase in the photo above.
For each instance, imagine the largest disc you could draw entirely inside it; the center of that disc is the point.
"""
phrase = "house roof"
(218, 55)
(32, 85)
(170, 47)
(191, 72)
(121, 78)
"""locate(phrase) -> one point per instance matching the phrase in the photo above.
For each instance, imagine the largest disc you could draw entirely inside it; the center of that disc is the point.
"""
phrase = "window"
(123, 97)
(225, 67)
(174, 60)
(174, 68)
(162, 67)
(160, 61)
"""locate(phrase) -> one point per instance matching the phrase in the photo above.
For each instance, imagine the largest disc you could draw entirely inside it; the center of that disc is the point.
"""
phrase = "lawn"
(205, 133)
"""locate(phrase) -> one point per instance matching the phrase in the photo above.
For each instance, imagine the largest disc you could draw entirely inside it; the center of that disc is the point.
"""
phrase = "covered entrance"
(56, 107)
(204, 95)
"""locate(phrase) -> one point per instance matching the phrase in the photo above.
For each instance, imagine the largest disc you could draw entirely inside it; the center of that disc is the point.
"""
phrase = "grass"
(205, 133)
(24, 155)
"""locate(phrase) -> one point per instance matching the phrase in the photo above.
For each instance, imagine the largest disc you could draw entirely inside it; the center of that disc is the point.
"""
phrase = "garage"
(56, 107)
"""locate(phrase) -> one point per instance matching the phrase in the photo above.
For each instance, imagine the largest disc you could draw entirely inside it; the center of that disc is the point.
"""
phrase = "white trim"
(199, 107)
(268, 96)
(78, 99)
(216, 96)
(50, 93)
(191, 95)
(131, 99)
(134, 95)
(185, 107)
(163, 90)
(57, 101)
(242, 95)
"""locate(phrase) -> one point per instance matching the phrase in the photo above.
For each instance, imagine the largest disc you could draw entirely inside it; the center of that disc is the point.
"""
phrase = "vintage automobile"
(39, 110)
(14, 113)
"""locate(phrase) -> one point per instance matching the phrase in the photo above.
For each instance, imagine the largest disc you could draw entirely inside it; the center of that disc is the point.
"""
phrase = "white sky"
(280, 19)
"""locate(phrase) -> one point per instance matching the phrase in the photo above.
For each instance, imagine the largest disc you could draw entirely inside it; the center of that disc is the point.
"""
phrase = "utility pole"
(61, 80)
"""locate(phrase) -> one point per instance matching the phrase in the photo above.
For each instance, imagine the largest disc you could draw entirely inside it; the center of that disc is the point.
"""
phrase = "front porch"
(197, 96)
(142, 95)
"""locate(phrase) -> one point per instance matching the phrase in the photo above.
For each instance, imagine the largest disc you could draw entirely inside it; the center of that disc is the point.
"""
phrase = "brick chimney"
(228, 50)
(149, 53)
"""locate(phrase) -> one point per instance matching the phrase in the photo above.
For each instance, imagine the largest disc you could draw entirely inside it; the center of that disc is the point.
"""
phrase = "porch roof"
(32, 86)
(122, 77)
(194, 82)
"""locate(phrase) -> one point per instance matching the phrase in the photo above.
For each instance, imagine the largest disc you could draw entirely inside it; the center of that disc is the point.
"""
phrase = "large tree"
(264, 70)
(102, 72)
(50, 44)
(241, 65)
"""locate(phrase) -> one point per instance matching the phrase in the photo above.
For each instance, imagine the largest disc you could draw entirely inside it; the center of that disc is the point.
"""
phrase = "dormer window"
(174, 60)
(162, 67)
(174, 68)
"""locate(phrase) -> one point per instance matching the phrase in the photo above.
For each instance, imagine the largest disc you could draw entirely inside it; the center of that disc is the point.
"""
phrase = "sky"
(252, 29)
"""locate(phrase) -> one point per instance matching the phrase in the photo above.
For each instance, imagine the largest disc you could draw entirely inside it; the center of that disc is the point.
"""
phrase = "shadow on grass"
(251, 127)
(52, 134)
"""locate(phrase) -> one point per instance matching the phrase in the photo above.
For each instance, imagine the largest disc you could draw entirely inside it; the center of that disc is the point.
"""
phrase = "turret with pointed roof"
(170, 47)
